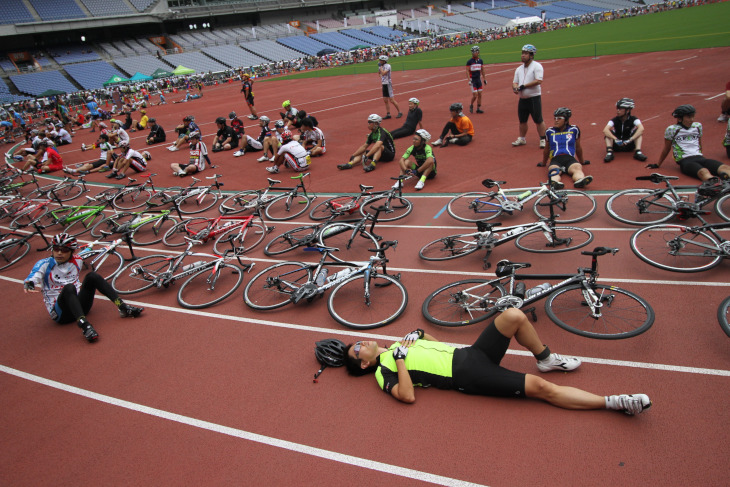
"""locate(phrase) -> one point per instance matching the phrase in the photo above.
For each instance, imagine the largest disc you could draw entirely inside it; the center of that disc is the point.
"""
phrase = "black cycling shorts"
(563, 161)
(691, 165)
(530, 107)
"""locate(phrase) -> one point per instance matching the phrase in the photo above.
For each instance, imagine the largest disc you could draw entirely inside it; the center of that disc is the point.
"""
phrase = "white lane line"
(685, 59)
(245, 435)
(716, 96)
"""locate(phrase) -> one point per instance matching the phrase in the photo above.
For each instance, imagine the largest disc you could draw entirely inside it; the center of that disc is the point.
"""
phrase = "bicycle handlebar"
(600, 251)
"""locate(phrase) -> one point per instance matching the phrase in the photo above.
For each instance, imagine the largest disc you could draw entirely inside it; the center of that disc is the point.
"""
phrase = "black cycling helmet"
(456, 107)
(563, 112)
(232, 115)
(330, 352)
(683, 110)
(627, 103)
(220, 120)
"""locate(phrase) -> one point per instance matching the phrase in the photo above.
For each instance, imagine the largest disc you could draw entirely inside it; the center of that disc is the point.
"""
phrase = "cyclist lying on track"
(66, 299)
(420, 360)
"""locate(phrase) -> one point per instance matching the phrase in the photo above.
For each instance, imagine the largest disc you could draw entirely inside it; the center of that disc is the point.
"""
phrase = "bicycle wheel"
(623, 314)
(68, 192)
(244, 203)
(463, 302)
(474, 207)
(640, 206)
(140, 274)
(83, 225)
(175, 237)
(722, 207)
(132, 198)
(723, 313)
(352, 248)
(209, 286)
(106, 264)
(291, 240)
(12, 251)
(323, 210)
(272, 288)
(579, 206)
(111, 223)
(28, 218)
(243, 238)
(395, 207)
(349, 306)
(197, 203)
(562, 239)
(676, 248)
(287, 206)
(153, 231)
(450, 247)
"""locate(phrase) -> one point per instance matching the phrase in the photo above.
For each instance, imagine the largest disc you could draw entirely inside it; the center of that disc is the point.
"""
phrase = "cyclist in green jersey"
(425, 165)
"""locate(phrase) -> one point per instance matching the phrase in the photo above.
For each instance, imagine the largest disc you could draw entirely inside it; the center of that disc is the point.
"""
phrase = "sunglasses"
(559, 118)
(59, 248)
(356, 349)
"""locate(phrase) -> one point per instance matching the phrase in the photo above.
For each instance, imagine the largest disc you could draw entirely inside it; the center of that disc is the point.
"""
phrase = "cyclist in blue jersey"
(563, 151)
(94, 114)
(474, 75)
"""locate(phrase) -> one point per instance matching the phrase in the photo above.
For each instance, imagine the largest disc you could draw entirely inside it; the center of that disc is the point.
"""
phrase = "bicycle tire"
(474, 207)
(131, 199)
(27, 218)
(723, 313)
(623, 315)
(323, 210)
(272, 288)
(287, 206)
(197, 203)
(338, 235)
(244, 238)
(641, 207)
(68, 192)
(674, 248)
(175, 237)
(244, 202)
(535, 240)
(153, 231)
(579, 206)
(451, 247)
(209, 287)
(110, 223)
(448, 306)
(722, 207)
(13, 252)
(139, 275)
(83, 225)
(291, 240)
(107, 266)
(348, 306)
(397, 207)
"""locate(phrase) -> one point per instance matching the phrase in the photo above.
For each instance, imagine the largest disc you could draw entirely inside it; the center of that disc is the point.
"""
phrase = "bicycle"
(277, 207)
(30, 211)
(9, 184)
(392, 200)
(541, 236)
(208, 282)
(723, 312)
(194, 199)
(64, 190)
(15, 246)
(135, 195)
(360, 297)
(653, 206)
(102, 257)
(577, 303)
(78, 220)
(479, 206)
(147, 227)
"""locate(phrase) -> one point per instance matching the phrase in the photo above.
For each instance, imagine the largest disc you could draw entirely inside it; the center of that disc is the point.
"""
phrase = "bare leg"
(562, 396)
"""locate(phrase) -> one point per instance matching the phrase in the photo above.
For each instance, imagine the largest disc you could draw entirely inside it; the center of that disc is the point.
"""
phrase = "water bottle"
(333, 229)
(537, 289)
(321, 277)
(341, 274)
(187, 267)
(524, 195)
(515, 231)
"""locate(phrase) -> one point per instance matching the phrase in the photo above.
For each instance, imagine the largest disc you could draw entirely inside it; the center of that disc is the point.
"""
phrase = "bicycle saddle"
(505, 267)
(656, 178)
(490, 183)
(364, 188)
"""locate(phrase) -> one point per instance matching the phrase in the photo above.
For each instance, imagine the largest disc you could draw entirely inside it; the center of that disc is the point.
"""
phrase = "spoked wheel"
(290, 240)
(640, 207)
(352, 248)
(28, 218)
(386, 301)
(68, 192)
(395, 208)
(723, 314)
(561, 239)
(140, 274)
(210, 286)
(475, 207)
(106, 264)
(243, 203)
(621, 314)
(111, 223)
(287, 206)
(462, 303)
(243, 238)
(450, 247)
(175, 237)
(323, 210)
(722, 207)
(273, 287)
(131, 199)
(579, 206)
(197, 203)
(12, 252)
(678, 248)
(153, 231)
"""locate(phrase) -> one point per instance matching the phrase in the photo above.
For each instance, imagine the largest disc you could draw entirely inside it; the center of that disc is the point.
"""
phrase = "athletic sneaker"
(557, 185)
(272, 159)
(519, 141)
(639, 156)
(583, 182)
(83, 147)
(119, 176)
(175, 149)
(453, 140)
(69, 170)
(369, 168)
(262, 159)
(400, 115)
(542, 143)
(479, 110)
(630, 404)
(558, 362)
(252, 117)
(239, 153)
(344, 166)
(723, 117)
(396, 185)
(127, 310)
(437, 142)
(90, 334)
(112, 174)
(387, 116)
(420, 184)
(609, 157)
(273, 169)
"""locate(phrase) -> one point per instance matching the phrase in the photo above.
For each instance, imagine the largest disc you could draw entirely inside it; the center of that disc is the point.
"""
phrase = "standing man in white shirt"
(526, 84)
(384, 70)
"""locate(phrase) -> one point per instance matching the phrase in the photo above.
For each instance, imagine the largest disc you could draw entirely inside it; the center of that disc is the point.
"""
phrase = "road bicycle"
(723, 313)
(14, 246)
(361, 297)
(573, 205)
(651, 206)
(395, 205)
(577, 303)
(135, 195)
(208, 282)
(10, 183)
(102, 257)
(29, 211)
(147, 227)
(277, 206)
(78, 220)
(65, 190)
(541, 236)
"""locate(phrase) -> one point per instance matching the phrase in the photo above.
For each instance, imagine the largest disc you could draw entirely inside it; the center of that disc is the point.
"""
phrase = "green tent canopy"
(115, 80)
(161, 73)
(140, 77)
(359, 46)
(180, 70)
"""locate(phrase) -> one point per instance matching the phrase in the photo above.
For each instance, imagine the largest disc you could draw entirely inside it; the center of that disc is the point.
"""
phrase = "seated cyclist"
(378, 146)
(563, 151)
(290, 153)
(425, 165)
(66, 299)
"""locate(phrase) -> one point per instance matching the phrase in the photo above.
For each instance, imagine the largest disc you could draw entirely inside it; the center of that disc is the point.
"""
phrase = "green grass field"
(687, 28)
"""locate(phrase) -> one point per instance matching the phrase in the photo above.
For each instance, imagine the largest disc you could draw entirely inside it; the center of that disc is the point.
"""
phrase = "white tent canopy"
(523, 21)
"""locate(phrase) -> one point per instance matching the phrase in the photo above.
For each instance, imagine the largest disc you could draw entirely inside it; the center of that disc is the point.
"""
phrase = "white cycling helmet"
(423, 134)
(264, 119)
(414, 100)
(529, 48)
(375, 118)
(384, 58)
